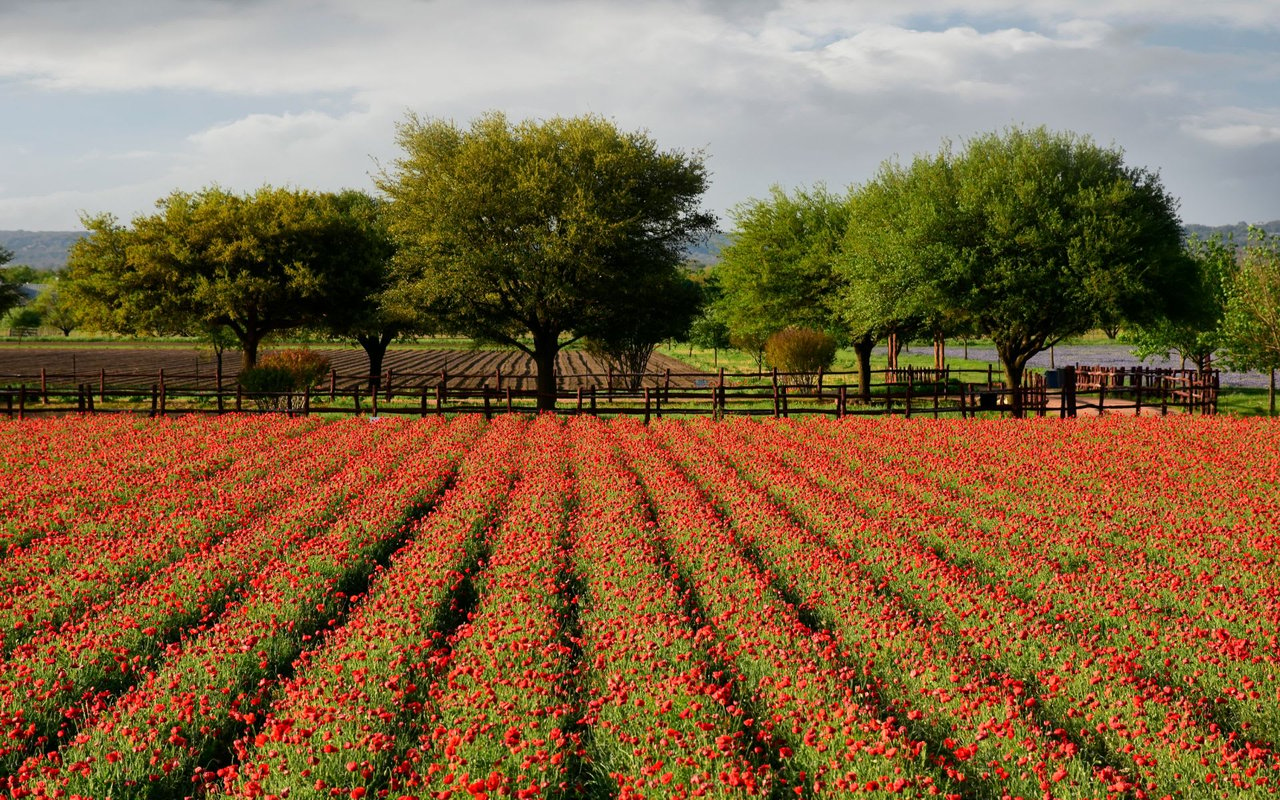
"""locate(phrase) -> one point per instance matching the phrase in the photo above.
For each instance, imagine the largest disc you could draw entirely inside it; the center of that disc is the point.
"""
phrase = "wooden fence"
(910, 391)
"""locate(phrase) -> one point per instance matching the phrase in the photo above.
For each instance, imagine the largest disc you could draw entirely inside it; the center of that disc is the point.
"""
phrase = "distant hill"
(1239, 232)
(707, 253)
(43, 250)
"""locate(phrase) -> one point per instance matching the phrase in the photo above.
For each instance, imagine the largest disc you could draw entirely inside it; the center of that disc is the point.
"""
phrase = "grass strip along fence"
(907, 391)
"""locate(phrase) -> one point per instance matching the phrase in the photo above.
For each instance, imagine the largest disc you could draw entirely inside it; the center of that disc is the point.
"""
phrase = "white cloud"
(1235, 127)
(792, 91)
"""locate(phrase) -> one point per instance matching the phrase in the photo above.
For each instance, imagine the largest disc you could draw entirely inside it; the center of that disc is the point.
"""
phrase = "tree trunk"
(249, 350)
(1271, 394)
(1014, 368)
(375, 349)
(545, 349)
(862, 347)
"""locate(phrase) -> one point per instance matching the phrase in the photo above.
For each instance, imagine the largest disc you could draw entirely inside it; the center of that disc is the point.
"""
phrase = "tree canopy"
(532, 234)
(1251, 323)
(10, 296)
(1198, 334)
(255, 264)
(1028, 236)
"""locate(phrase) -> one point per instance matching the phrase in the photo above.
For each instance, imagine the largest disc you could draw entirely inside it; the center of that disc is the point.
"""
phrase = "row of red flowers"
(272, 607)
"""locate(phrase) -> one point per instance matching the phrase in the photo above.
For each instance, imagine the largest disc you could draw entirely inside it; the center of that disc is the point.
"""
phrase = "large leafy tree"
(1199, 333)
(529, 234)
(779, 269)
(894, 248)
(368, 249)
(1034, 236)
(254, 264)
(1251, 326)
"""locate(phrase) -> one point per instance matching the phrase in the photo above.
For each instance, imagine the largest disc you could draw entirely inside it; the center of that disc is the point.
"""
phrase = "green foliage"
(1252, 319)
(25, 319)
(57, 309)
(10, 297)
(1026, 236)
(652, 311)
(1199, 334)
(800, 350)
(536, 229)
(258, 263)
(779, 269)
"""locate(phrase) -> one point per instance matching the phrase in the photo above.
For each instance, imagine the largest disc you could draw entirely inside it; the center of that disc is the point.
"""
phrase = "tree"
(1198, 335)
(530, 234)
(1031, 235)
(366, 317)
(892, 252)
(1251, 324)
(709, 328)
(779, 269)
(259, 263)
(56, 309)
(10, 294)
(650, 312)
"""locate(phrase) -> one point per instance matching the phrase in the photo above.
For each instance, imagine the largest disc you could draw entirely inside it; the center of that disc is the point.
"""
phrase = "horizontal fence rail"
(908, 391)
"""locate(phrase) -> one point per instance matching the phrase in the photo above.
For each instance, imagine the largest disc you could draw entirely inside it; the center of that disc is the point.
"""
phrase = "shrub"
(306, 366)
(801, 351)
(279, 373)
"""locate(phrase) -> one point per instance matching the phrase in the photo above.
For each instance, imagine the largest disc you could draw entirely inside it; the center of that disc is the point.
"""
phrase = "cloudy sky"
(107, 106)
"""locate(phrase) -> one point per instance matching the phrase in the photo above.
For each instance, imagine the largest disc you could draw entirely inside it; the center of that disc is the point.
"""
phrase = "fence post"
(935, 400)
(8, 404)
(444, 385)
(154, 399)
(1138, 379)
(609, 382)
(1102, 396)
(510, 409)
(777, 402)
(989, 381)
(333, 385)
(488, 411)
(907, 403)
(646, 405)
(22, 401)
(423, 409)
(44, 388)
(388, 384)
(439, 397)
(593, 399)
(239, 397)
(88, 396)
(306, 401)
(162, 398)
(840, 400)
(373, 400)
(80, 398)
(355, 399)
(102, 384)
(819, 381)
(786, 411)
(579, 400)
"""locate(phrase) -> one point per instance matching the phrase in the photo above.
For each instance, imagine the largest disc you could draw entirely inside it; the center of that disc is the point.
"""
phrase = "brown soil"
(127, 367)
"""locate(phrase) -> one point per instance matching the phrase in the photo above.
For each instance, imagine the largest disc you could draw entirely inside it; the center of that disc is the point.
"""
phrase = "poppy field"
(273, 607)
